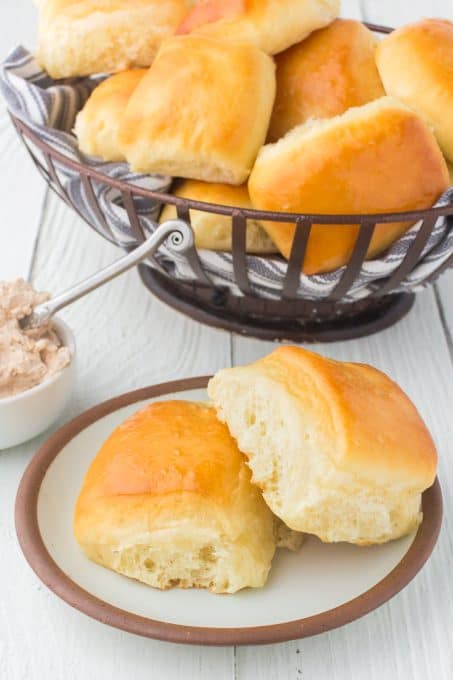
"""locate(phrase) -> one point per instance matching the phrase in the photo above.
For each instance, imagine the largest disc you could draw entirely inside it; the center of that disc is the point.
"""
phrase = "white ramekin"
(27, 414)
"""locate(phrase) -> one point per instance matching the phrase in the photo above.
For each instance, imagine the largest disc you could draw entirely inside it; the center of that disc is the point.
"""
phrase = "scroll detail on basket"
(47, 109)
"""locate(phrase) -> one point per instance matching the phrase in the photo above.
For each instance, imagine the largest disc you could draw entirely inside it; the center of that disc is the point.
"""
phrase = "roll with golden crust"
(377, 158)
(325, 75)
(201, 112)
(98, 124)
(338, 449)
(271, 25)
(168, 501)
(416, 66)
(214, 232)
(83, 37)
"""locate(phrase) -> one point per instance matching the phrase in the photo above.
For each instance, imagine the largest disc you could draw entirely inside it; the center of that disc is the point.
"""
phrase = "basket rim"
(322, 219)
(231, 211)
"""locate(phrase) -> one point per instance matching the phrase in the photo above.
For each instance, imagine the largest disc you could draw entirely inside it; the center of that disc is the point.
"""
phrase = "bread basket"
(286, 315)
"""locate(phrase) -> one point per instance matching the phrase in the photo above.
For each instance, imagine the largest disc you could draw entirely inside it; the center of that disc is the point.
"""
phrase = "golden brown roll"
(214, 232)
(201, 112)
(271, 25)
(168, 501)
(325, 75)
(338, 449)
(416, 66)
(450, 170)
(380, 157)
(98, 123)
(83, 37)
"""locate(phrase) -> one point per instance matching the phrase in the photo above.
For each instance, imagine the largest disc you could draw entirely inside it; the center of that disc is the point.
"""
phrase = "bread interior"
(292, 461)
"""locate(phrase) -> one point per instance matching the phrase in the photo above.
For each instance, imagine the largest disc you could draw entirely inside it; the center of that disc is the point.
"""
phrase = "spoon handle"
(180, 237)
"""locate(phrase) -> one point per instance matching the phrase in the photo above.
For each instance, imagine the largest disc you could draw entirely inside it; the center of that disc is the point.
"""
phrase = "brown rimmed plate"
(320, 588)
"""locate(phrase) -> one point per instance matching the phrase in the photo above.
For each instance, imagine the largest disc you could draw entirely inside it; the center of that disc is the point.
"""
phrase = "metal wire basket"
(288, 315)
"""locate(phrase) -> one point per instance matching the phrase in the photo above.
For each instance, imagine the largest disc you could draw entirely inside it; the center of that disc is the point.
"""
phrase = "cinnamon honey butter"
(27, 357)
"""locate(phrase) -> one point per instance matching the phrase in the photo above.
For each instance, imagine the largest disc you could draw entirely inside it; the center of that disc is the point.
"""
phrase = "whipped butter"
(27, 357)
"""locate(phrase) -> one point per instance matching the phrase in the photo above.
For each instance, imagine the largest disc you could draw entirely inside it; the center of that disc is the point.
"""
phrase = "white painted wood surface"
(22, 191)
(126, 340)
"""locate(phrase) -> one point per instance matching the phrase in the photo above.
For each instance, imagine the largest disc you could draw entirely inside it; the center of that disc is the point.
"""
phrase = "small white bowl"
(27, 414)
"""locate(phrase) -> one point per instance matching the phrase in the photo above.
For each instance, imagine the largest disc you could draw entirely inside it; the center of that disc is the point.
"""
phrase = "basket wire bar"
(129, 204)
(358, 256)
(183, 213)
(411, 258)
(44, 174)
(239, 238)
(55, 184)
(296, 258)
(94, 205)
(59, 190)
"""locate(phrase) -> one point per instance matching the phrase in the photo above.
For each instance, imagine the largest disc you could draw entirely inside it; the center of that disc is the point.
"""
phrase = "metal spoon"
(180, 237)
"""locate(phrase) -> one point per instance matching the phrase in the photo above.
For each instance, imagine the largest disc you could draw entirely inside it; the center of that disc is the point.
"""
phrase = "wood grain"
(380, 646)
(444, 291)
(22, 195)
(22, 190)
(405, 353)
(126, 339)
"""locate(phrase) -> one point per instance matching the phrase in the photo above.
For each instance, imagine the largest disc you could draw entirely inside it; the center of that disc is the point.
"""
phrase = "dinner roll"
(168, 501)
(325, 75)
(98, 123)
(82, 37)
(380, 157)
(271, 25)
(214, 232)
(202, 111)
(450, 170)
(416, 66)
(338, 449)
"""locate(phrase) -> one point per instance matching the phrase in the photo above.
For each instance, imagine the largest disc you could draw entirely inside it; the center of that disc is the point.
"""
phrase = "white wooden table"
(126, 339)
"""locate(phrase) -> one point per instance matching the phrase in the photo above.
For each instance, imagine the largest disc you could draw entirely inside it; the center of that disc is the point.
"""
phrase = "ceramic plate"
(319, 588)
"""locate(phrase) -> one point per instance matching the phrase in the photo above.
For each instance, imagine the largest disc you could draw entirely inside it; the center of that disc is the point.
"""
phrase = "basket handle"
(180, 239)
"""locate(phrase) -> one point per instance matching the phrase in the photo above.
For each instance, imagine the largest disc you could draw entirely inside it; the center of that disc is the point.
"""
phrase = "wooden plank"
(401, 12)
(395, 14)
(139, 341)
(125, 340)
(351, 9)
(409, 637)
(412, 636)
(444, 287)
(22, 190)
(22, 194)
(40, 637)
(444, 290)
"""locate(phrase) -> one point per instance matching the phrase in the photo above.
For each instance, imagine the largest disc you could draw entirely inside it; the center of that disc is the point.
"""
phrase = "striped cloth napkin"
(49, 108)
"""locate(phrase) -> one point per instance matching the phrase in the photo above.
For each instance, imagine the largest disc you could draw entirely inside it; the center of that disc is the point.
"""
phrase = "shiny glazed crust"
(201, 112)
(168, 501)
(325, 75)
(416, 66)
(270, 25)
(380, 157)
